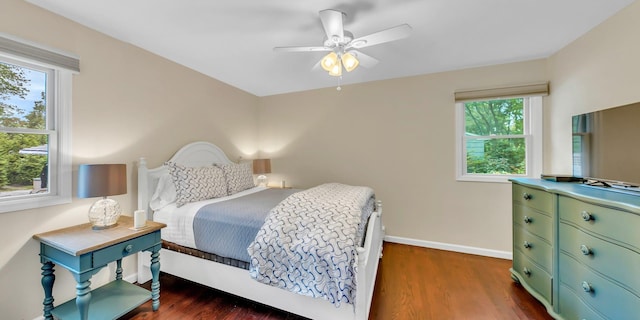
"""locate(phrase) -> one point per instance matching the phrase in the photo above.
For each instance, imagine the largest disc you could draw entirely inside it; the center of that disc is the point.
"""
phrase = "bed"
(231, 276)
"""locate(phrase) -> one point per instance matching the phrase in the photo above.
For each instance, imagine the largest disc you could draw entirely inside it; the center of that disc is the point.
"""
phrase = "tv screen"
(606, 146)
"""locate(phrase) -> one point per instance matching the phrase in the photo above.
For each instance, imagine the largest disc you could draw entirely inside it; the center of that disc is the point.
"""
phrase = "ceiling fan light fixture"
(329, 61)
(336, 71)
(349, 61)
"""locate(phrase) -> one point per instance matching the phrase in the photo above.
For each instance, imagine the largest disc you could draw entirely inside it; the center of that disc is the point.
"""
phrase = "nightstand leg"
(155, 275)
(83, 296)
(47, 283)
(119, 269)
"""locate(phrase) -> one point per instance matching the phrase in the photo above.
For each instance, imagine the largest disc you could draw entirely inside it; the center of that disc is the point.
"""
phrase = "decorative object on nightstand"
(102, 180)
(261, 167)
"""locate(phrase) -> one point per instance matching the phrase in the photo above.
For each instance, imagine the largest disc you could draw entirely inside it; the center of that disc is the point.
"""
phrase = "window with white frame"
(35, 126)
(498, 138)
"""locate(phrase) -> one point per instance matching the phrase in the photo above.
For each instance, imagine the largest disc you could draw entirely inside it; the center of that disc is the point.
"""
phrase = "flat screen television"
(606, 147)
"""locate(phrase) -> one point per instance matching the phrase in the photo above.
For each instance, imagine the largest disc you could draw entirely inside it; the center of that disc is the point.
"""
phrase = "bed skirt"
(205, 255)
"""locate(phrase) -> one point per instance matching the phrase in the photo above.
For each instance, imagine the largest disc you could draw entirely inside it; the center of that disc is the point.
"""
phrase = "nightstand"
(85, 251)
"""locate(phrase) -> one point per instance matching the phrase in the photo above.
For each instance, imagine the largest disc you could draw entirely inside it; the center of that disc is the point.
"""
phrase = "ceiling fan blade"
(366, 61)
(300, 49)
(332, 23)
(391, 34)
(317, 66)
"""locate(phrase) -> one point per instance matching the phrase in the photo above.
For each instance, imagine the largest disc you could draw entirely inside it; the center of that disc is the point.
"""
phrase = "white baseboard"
(451, 247)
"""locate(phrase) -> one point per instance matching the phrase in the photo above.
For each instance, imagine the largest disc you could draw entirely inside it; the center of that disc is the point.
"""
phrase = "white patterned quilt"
(307, 244)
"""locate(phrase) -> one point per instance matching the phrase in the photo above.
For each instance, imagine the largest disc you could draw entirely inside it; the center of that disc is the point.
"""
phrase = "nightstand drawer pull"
(526, 271)
(128, 248)
(527, 244)
(586, 286)
(586, 216)
(527, 219)
(585, 250)
(527, 196)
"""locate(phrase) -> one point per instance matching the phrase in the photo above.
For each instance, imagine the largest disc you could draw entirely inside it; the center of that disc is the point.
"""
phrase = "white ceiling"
(233, 41)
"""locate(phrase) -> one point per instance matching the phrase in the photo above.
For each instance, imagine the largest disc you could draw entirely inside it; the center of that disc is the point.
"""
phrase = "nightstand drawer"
(533, 247)
(532, 221)
(610, 223)
(123, 249)
(619, 263)
(533, 198)
(533, 275)
(611, 300)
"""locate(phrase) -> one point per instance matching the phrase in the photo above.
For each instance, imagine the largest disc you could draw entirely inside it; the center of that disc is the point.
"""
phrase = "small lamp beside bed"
(261, 167)
(102, 180)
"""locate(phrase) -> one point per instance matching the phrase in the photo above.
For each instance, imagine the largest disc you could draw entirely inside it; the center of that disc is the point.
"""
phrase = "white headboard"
(195, 154)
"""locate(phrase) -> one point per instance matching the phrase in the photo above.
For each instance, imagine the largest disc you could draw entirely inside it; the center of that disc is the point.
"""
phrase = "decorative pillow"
(165, 193)
(196, 183)
(239, 176)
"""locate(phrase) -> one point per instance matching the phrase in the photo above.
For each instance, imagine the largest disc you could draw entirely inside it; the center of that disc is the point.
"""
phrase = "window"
(35, 126)
(499, 138)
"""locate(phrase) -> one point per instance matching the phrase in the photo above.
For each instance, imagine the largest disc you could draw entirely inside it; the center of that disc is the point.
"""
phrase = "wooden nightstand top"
(81, 239)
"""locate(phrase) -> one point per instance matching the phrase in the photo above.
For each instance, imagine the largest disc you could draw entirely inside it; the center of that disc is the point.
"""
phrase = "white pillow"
(239, 176)
(165, 193)
(197, 183)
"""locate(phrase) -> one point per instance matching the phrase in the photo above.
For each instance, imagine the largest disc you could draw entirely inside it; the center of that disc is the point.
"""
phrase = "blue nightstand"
(85, 251)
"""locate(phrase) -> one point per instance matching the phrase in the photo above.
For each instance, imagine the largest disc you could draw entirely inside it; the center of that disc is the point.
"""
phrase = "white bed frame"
(236, 280)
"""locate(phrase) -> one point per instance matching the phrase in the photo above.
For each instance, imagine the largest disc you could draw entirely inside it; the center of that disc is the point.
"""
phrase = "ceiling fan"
(343, 47)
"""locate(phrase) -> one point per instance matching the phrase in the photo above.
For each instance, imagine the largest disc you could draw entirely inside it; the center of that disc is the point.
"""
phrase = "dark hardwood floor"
(413, 283)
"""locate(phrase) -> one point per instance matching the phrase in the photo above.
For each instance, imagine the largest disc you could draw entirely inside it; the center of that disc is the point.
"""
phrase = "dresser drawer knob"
(586, 286)
(526, 271)
(586, 216)
(585, 250)
(527, 196)
(527, 244)
(128, 248)
(527, 219)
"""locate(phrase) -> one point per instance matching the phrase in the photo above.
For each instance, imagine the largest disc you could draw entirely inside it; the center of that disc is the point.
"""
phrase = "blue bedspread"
(227, 228)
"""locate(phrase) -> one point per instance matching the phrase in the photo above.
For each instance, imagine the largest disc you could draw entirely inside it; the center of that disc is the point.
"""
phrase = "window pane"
(494, 117)
(496, 156)
(23, 164)
(22, 97)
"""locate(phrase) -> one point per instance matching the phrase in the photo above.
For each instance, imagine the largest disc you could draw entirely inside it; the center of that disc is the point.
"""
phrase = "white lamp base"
(104, 213)
(262, 180)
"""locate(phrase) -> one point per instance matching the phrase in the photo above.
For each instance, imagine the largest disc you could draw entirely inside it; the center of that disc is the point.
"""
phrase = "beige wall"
(396, 136)
(598, 71)
(127, 103)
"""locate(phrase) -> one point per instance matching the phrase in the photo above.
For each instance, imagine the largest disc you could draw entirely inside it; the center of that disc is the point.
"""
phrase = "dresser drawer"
(611, 300)
(533, 198)
(533, 247)
(614, 224)
(532, 275)
(571, 307)
(532, 221)
(123, 249)
(619, 263)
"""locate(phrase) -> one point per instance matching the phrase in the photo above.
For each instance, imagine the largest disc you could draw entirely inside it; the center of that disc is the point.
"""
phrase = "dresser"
(576, 248)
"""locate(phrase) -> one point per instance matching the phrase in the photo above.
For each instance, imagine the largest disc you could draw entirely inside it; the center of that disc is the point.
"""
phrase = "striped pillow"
(196, 183)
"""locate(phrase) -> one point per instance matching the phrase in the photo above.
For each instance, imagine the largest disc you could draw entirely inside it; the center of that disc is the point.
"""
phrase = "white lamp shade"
(329, 61)
(349, 62)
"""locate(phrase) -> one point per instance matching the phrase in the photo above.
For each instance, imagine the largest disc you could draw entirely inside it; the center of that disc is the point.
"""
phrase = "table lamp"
(102, 180)
(262, 166)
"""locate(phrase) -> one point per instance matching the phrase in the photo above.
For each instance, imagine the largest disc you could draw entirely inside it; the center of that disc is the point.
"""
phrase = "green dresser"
(577, 248)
